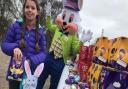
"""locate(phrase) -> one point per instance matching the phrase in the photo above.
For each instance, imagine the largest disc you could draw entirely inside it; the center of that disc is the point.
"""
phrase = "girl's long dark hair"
(23, 27)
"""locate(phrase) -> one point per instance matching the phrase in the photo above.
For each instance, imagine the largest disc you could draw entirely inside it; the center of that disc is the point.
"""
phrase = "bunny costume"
(65, 42)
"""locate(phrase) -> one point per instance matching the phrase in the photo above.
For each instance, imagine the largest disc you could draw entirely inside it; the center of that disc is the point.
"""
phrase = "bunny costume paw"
(86, 36)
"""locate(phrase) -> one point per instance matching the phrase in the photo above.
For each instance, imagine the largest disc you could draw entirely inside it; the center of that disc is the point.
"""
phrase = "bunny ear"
(27, 68)
(80, 4)
(39, 70)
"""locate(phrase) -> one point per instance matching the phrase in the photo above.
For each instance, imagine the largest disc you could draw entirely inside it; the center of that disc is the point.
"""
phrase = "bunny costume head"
(69, 19)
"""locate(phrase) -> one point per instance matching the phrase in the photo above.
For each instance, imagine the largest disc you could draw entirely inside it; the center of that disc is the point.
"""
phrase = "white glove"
(86, 36)
(48, 9)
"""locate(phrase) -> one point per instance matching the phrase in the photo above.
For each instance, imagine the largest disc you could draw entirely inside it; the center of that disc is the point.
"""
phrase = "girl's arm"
(9, 43)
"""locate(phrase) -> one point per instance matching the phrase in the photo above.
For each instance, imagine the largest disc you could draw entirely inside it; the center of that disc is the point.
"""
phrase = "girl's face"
(30, 10)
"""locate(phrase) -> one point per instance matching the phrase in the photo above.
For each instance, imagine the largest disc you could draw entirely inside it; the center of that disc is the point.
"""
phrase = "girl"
(25, 38)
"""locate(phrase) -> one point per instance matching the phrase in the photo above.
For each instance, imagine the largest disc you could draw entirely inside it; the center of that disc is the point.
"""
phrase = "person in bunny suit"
(65, 42)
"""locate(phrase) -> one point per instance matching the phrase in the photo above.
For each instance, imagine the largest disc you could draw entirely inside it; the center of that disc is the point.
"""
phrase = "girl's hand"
(17, 54)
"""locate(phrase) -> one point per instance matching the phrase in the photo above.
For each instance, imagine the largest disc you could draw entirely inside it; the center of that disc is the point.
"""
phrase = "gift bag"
(15, 69)
(83, 53)
(113, 79)
(100, 53)
(119, 54)
(85, 61)
(94, 75)
(83, 70)
(106, 77)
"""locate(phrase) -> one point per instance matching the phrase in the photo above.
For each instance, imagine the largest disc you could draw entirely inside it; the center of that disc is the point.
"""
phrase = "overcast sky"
(111, 15)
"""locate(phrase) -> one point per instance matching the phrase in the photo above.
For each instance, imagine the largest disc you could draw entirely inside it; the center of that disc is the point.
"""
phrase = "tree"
(5, 19)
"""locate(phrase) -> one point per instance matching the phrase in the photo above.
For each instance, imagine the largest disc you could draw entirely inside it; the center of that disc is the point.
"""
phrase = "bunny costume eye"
(64, 15)
(71, 18)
